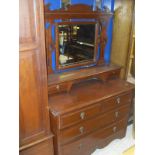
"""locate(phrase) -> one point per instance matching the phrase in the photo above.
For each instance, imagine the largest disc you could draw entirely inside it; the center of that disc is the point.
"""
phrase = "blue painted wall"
(55, 4)
(110, 5)
(89, 2)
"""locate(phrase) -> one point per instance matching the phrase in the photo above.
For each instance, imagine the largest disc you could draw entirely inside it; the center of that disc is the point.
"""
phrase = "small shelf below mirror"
(63, 81)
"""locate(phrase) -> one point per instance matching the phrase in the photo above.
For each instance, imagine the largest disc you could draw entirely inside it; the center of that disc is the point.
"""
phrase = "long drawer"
(116, 101)
(90, 125)
(78, 116)
(100, 107)
(101, 137)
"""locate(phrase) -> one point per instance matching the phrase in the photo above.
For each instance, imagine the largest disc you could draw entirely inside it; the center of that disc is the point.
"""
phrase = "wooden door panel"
(34, 116)
(30, 95)
(28, 25)
(43, 148)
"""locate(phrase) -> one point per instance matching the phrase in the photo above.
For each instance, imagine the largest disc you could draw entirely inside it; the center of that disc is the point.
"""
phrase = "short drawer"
(113, 74)
(78, 116)
(52, 89)
(88, 126)
(115, 102)
(97, 139)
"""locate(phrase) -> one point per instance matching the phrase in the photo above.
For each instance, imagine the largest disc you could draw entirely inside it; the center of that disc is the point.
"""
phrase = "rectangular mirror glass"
(76, 43)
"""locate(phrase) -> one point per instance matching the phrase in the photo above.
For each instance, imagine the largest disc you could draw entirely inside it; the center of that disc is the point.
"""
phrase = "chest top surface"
(87, 93)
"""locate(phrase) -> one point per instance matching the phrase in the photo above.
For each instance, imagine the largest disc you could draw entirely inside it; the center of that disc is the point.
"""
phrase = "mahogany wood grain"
(85, 127)
(77, 11)
(64, 81)
(91, 111)
(79, 8)
(111, 103)
(43, 148)
(106, 107)
(100, 138)
(78, 116)
(87, 93)
(34, 114)
(82, 73)
(58, 88)
(103, 41)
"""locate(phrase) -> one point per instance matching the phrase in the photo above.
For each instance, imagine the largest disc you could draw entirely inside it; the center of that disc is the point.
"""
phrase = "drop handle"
(116, 114)
(81, 129)
(82, 115)
(57, 87)
(118, 100)
(114, 129)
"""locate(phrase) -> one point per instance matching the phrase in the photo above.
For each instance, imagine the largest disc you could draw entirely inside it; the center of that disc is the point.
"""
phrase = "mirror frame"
(80, 12)
(78, 64)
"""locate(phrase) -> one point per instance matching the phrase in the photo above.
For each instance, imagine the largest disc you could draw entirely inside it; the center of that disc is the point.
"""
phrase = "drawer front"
(115, 102)
(84, 114)
(99, 138)
(88, 126)
(109, 75)
(73, 118)
(52, 89)
(114, 74)
(115, 115)
(103, 134)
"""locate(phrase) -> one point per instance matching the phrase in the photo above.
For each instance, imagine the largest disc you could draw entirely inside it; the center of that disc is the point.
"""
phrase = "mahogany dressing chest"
(90, 116)
(71, 101)
(90, 105)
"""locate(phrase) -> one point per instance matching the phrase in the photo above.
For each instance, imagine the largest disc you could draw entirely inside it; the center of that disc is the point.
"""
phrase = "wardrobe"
(35, 135)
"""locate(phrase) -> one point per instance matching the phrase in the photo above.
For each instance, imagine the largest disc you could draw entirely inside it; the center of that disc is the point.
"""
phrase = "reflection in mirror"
(76, 43)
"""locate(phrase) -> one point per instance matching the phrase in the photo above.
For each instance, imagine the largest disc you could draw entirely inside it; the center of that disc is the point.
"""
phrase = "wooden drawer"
(104, 133)
(78, 116)
(84, 114)
(109, 75)
(115, 102)
(88, 126)
(52, 89)
(113, 74)
(98, 139)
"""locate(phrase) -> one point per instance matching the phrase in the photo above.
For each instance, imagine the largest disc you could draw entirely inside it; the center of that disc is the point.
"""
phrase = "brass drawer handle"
(118, 100)
(57, 87)
(81, 129)
(116, 114)
(114, 129)
(82, 115)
